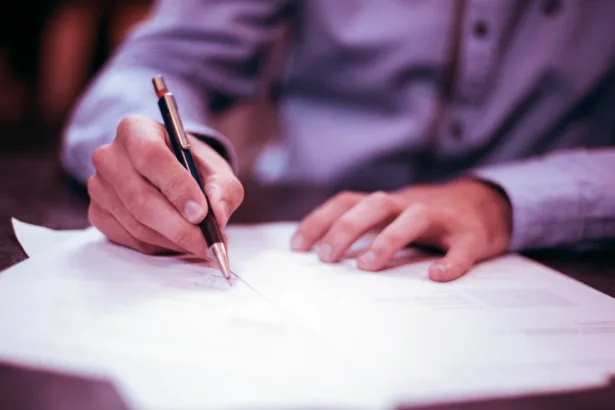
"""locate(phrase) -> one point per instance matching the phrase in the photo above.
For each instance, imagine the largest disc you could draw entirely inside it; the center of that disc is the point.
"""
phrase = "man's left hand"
(469, 219)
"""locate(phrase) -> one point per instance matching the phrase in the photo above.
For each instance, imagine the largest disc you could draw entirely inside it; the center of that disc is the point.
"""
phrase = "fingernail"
(325, 252)
(193, 211)
(437, 271)
(367, 259)
(297, 243)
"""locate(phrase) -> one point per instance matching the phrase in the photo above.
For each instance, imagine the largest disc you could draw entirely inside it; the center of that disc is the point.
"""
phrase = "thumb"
(458, 260)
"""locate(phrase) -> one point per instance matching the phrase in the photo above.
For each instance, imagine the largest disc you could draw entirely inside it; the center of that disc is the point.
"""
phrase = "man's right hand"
(143, 198)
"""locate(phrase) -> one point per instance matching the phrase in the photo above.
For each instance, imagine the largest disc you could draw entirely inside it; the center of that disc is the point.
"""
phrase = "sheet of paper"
(155, 322)
(509, 313)
(293, 331)
(36, 239)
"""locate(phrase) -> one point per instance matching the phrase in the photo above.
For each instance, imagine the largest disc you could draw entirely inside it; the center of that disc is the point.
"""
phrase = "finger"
(413, 222)
(146, 203)
(144, 141)
(105, 197)
(372, 211)
(224, 191)
(458, 260)
(111, 228)
(318, 222)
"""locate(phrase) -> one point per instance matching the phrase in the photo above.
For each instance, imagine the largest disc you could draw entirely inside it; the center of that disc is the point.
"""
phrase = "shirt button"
(456, 129)
(480, 29)
(551, 7)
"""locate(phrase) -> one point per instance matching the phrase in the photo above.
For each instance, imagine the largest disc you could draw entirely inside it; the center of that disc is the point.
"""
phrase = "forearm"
(565, 199)
(203, 49)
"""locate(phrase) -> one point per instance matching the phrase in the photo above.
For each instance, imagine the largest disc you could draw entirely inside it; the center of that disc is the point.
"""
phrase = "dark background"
(49, 50)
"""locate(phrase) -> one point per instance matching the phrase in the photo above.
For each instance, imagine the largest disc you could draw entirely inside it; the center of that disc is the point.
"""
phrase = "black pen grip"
(209, 225)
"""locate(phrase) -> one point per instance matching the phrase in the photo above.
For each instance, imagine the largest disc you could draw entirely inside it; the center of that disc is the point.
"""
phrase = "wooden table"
(34, 189)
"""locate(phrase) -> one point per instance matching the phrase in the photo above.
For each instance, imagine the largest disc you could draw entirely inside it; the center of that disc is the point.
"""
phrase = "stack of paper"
(292, 331)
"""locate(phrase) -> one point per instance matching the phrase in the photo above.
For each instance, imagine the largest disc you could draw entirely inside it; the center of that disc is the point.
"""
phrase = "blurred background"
(49, 50)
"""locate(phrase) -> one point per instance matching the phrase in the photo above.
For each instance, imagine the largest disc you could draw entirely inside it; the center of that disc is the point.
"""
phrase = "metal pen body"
(181, 148)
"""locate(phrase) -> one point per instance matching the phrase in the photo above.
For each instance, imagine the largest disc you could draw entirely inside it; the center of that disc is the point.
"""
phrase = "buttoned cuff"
(546, 203)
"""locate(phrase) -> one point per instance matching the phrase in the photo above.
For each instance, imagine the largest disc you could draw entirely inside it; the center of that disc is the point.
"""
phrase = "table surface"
(34, 189)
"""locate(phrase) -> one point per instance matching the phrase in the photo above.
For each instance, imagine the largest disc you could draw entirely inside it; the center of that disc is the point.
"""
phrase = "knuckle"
(394, 239)
(136, 203)
(346, 225)
(347, 198)
(127, 125)
(176, 186)
(380, 199)
(101, 158)
(379, 196)
(183, 238)
(420, 209)
(143, 152)
(137, 230)
(418, 212)
(116, 209)
(380, 249)
(381, 244)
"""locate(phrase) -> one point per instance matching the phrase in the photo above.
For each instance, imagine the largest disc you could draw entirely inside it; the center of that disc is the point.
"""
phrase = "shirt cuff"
(216, 140)
(546, 203)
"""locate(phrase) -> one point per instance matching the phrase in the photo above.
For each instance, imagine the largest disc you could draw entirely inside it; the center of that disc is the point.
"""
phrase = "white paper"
(294, 331)
(36, 239)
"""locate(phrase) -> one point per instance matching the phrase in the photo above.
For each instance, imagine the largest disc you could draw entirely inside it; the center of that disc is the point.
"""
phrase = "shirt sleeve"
(562, 200)
(207, 50)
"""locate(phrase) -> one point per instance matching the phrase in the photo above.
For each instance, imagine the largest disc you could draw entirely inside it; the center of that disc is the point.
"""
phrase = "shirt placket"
(481, 32)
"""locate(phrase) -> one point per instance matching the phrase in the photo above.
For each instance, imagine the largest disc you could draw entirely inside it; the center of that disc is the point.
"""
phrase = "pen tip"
(219, 252)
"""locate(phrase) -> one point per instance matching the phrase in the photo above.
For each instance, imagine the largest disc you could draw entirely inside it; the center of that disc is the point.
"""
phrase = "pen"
(181, 148)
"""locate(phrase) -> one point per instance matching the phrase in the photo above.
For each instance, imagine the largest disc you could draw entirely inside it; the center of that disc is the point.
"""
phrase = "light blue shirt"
(380, 94)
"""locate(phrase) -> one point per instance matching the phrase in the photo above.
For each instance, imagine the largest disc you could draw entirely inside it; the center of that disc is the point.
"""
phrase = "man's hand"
(143, 198)
(469, 219)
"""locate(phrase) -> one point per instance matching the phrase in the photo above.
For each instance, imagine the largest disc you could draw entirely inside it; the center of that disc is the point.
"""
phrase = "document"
(38, 239)
(294, 332)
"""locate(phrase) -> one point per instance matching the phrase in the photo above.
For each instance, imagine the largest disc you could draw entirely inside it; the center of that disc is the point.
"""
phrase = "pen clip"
(177, 123)
(173, 111)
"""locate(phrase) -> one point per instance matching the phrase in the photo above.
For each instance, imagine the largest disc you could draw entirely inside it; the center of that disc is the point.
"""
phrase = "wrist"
(494, 206)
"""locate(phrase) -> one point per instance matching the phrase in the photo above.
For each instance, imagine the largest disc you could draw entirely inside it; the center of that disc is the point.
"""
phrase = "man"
(480, 126)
